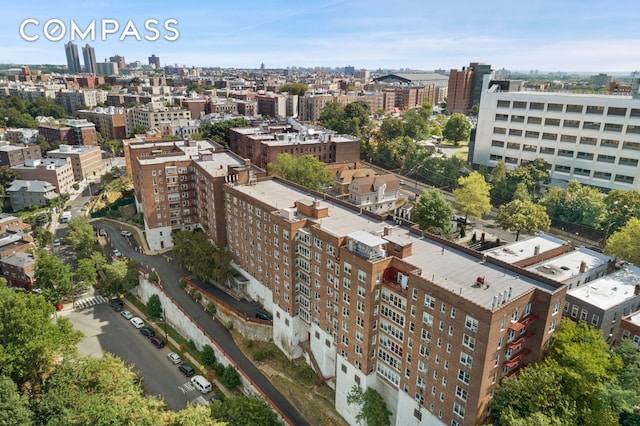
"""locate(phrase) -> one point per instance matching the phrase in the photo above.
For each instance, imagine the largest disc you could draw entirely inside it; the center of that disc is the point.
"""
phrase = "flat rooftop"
(634, 318)
(446, 267)
(610, 290)
(524, 249)
(563, 267)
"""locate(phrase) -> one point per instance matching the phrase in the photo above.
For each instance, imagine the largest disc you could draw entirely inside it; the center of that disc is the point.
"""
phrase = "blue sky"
(564, 35)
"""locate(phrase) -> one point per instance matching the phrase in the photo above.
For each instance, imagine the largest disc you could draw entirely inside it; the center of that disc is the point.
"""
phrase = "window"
(471, 323)
(468, 341)
(429, 302)
(466, 360)
(458, 409)
(595, 319)
(464, 377)
(583, 315)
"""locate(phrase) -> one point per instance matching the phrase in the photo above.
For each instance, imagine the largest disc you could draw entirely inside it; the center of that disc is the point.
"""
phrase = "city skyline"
(567, 36)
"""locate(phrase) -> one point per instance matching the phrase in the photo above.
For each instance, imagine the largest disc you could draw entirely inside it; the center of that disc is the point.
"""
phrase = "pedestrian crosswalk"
(90, 301)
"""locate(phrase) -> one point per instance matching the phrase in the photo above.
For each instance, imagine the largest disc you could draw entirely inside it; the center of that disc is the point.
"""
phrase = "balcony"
(517, 359)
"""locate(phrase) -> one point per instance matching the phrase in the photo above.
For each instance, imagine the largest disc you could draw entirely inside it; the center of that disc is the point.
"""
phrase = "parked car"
(461, 219)
(157, 342)
(264, 315)
(56, 242)
(102, 232)
(147, 332)
(174, 358)
(126, 314)
(126, 233)
(186, 369)
(202, 384)
(117, 253)
(116, 303)
(137, 322)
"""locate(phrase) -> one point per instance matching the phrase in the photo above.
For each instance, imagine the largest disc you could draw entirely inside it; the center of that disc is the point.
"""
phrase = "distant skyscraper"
(154, 60)
(262, 66)
(465, 86)
(118, 60)
(89, 55)
(349, 70)
(73, 60)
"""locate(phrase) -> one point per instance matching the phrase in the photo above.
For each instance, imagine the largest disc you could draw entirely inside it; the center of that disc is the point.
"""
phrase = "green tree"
(85, 275)
(527, 216)
(208, 355)
(583, 359)
(14, 407)
(457, 129)
(295, 88)
(230, 378)
(7, 176)
(219, 132)
(53, 277)
(138, 130)
(245, 411)
(194, 86)
(307, 170)
(625, 243)
(30, 343)
(473, 195)
(42, 236)
(580, 204)
(120, 276)
(390, 129)
(45, 107)
(154, 307)
(620, 206)
(394, 153)
(81, 237)
(433, 211)
(373, 409)
(96, 391)
(537, 389)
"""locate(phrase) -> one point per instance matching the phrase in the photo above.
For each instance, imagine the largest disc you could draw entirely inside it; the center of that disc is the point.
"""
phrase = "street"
(107, 331)
(170, 276)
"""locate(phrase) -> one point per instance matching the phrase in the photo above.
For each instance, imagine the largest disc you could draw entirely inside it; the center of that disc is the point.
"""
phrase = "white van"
(201, 384)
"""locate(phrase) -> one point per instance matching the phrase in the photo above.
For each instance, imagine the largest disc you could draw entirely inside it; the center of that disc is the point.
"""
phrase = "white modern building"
(594, 139)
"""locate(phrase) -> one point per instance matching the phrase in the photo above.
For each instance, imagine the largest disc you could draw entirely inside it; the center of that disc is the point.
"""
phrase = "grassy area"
(294, 379)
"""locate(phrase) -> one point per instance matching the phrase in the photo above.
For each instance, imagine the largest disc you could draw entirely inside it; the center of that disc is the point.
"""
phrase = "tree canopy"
(351, 119)
(295, 88)
(579, 204)
(457, 129)
(245, 411)
(30, 342)
(193, 250)
(373, 409)
(307, 170)
(625, 243)
(519, 215)
(473, 195)
(53, 277)
(580, 381)
(219, 132)
(432, 211)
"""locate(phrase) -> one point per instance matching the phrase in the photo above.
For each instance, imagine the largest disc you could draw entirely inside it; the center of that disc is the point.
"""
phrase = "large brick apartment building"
(431, 325)
(263, 144)
(178, 185)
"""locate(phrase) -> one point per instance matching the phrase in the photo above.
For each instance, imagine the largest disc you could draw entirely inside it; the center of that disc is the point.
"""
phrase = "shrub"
(208, 356)
(230, 378)
(191, 345)
(211, 307)
(197, 295)
(219, 367)
(183, 282)
(154, 307)
(261, 355)
(153, 277)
